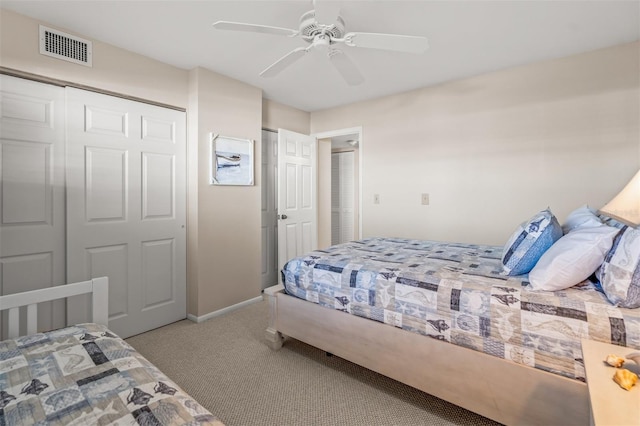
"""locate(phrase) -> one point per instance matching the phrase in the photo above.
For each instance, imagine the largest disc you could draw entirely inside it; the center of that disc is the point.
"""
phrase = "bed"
(443, 318)
(83, 374)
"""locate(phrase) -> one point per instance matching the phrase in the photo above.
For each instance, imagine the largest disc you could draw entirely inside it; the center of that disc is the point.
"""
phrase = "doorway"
(339, 186)
(344, 191)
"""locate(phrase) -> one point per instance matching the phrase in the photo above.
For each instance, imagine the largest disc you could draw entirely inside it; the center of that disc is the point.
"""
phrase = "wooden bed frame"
(499, 389)
(97, 287)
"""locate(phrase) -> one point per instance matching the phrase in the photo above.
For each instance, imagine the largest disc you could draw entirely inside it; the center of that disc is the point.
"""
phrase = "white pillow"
(580, 218)
(573, 258)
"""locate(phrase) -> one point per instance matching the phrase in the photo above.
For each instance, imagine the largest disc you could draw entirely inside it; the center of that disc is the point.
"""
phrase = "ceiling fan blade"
(254, 28)
(345, 67)
(326, 11)
(399, 43)
(282, 63)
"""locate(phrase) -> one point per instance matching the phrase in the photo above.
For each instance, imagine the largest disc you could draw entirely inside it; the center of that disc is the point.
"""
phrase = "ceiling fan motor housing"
(310, 28)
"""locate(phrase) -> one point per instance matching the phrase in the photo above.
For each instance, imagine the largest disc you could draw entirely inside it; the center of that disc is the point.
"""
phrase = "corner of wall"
(276, 115)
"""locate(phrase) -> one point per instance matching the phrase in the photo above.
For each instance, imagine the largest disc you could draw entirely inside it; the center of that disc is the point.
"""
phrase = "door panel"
(297, 202)
(291, 240)
(111, 261)
(106, 184)
(106, 122)
(30, 272)
(157, 274)
(32, 224)
(158, 174)
(154, 129)
(126, 170)
(26, 183)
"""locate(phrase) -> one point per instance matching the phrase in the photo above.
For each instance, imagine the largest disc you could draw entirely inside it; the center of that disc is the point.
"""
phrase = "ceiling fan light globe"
(321, 42)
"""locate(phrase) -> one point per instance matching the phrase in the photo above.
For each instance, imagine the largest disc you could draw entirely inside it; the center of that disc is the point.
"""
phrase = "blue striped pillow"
(529, 242)
(619, 274)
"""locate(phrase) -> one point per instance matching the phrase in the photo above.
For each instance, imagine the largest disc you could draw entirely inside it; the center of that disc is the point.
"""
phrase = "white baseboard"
(223, 310)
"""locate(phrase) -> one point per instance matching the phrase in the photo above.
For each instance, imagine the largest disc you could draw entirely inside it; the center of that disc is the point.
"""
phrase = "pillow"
(573, 258)
(619, 275)
(581, 217)
(529, 242)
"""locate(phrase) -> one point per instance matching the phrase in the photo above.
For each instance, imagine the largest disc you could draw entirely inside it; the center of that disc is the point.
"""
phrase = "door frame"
(343, 132)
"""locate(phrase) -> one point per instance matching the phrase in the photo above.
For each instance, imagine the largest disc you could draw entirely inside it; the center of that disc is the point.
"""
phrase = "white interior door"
(297, 195)
(32, 223)
(269, 209)
(126, 207)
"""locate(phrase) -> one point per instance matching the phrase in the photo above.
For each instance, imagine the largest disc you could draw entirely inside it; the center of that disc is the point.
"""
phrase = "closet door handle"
(282, 216)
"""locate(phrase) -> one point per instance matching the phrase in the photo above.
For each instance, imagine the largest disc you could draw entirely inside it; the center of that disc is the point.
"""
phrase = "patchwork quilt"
(87, 375)
(457, 293)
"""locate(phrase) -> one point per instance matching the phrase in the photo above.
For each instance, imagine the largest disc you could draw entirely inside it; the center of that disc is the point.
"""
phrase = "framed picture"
(231, 161)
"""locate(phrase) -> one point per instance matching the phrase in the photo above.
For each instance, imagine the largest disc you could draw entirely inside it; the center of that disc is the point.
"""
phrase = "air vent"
(64, 46)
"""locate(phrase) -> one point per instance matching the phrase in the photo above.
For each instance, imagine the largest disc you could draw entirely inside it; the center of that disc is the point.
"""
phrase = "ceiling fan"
(326, 37)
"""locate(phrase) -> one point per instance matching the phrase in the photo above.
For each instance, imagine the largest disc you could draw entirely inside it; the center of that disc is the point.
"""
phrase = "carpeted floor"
(226, 366)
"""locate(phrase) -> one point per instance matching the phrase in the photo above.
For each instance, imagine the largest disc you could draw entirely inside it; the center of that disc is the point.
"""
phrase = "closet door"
(126, 208)
(32, 252)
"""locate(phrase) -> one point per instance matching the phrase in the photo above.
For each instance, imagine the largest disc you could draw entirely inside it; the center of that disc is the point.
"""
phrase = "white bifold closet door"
(342, 197)
(126, 208)
(32, 218)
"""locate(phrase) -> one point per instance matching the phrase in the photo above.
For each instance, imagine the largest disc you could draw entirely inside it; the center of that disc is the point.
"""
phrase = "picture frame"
(231, 161)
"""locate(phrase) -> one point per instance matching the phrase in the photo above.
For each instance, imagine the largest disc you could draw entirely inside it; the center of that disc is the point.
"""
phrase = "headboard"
(98, 287)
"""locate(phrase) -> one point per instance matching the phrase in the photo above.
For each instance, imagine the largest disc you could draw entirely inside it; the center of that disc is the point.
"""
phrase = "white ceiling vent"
(64, 46)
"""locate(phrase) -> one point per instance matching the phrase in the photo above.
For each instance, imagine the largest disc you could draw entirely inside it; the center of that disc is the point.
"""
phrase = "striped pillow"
(619, 274)
(529, 242)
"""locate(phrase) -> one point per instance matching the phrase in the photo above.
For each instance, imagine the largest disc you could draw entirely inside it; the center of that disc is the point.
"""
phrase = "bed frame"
(499, 389)
(97, 287)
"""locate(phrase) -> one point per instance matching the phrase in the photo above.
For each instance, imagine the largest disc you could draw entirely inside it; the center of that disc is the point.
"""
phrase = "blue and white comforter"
(457, 293)
(84, 375)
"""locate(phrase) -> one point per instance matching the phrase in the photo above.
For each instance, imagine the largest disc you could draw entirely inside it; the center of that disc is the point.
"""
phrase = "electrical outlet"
(425, 199)
(376, 198)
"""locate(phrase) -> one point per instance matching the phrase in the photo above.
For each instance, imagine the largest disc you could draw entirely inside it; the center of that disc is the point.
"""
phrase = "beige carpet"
(226, 366)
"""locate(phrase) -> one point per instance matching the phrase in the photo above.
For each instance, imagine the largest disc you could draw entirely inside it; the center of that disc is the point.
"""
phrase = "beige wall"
(114, 69)
(276, 115)
(228, 229)
(494, 149)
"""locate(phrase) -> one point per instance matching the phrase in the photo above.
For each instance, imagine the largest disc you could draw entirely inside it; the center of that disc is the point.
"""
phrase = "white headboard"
(98, 287)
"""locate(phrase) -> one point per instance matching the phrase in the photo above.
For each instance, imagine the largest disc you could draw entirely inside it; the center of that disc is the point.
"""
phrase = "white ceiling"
(466, 38)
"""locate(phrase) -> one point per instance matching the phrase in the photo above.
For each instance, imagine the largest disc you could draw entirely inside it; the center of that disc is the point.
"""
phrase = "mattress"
(458, 294)
(85, 374)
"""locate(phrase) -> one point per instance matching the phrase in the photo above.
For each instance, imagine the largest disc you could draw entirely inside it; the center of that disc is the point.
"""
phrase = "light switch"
(425, 199)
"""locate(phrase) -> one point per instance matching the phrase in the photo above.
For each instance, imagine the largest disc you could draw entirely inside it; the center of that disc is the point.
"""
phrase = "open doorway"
(344, 191)
(339, 186)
